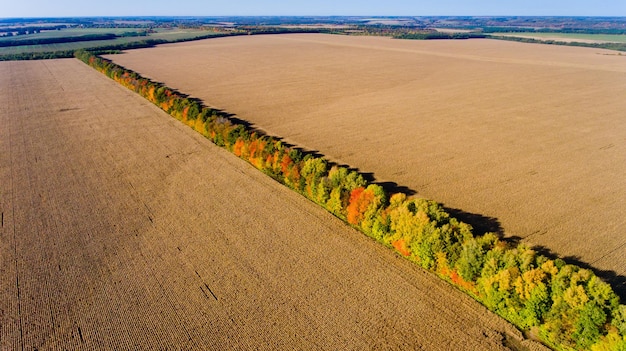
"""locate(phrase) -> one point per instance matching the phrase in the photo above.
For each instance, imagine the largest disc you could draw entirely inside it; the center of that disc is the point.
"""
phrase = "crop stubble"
(531, 135)
(124, 229)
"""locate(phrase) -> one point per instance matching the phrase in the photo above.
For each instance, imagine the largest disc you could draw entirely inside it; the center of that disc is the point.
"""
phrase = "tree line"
(491, 29)
(58, 40)
(566, 306)
(434, 35)
(608, 46)
(47, 55)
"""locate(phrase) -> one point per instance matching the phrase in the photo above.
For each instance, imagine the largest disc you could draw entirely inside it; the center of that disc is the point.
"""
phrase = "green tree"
(587, 329)
(470, 262)
(535, 307)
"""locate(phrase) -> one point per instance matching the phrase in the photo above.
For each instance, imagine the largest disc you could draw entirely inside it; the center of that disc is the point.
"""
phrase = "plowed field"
(530, 139)
(124, 230)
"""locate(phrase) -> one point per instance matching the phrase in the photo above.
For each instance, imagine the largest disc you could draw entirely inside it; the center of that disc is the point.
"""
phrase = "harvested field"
(124, 229)
(525, 139)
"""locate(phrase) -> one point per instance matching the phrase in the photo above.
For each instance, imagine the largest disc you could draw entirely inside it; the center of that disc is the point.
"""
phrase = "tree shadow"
(394, 188)
(389, 187)
(480, 223)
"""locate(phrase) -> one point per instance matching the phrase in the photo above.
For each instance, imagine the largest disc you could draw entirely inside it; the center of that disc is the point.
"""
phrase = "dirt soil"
(123, 229)
(525, 139)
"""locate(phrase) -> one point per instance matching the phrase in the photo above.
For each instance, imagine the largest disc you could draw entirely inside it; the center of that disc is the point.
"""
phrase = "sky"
(75, 8)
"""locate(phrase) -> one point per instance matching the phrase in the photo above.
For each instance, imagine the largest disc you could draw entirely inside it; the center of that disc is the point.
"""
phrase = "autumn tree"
(313, 169)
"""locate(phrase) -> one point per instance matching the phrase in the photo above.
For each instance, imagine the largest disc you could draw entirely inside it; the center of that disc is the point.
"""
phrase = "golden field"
(528, 138)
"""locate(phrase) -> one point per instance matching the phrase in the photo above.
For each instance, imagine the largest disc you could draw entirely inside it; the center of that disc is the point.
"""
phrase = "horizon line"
(360, 16)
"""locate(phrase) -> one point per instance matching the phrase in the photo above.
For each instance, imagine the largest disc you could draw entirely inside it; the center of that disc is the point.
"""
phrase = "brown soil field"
(524, 139)
(123, 229)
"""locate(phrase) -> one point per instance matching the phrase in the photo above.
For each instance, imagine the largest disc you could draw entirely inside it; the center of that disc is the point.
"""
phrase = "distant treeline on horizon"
(556, 23)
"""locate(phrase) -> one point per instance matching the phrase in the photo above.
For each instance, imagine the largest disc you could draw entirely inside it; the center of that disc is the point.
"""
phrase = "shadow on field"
(393, 188)
(389, 187)
(481, 224)
(617, 282)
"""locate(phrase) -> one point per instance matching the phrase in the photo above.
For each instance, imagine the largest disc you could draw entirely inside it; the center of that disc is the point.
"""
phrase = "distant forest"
(44, 38)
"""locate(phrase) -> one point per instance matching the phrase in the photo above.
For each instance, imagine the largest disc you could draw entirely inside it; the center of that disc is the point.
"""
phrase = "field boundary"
(563, 305)
(608, 45)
